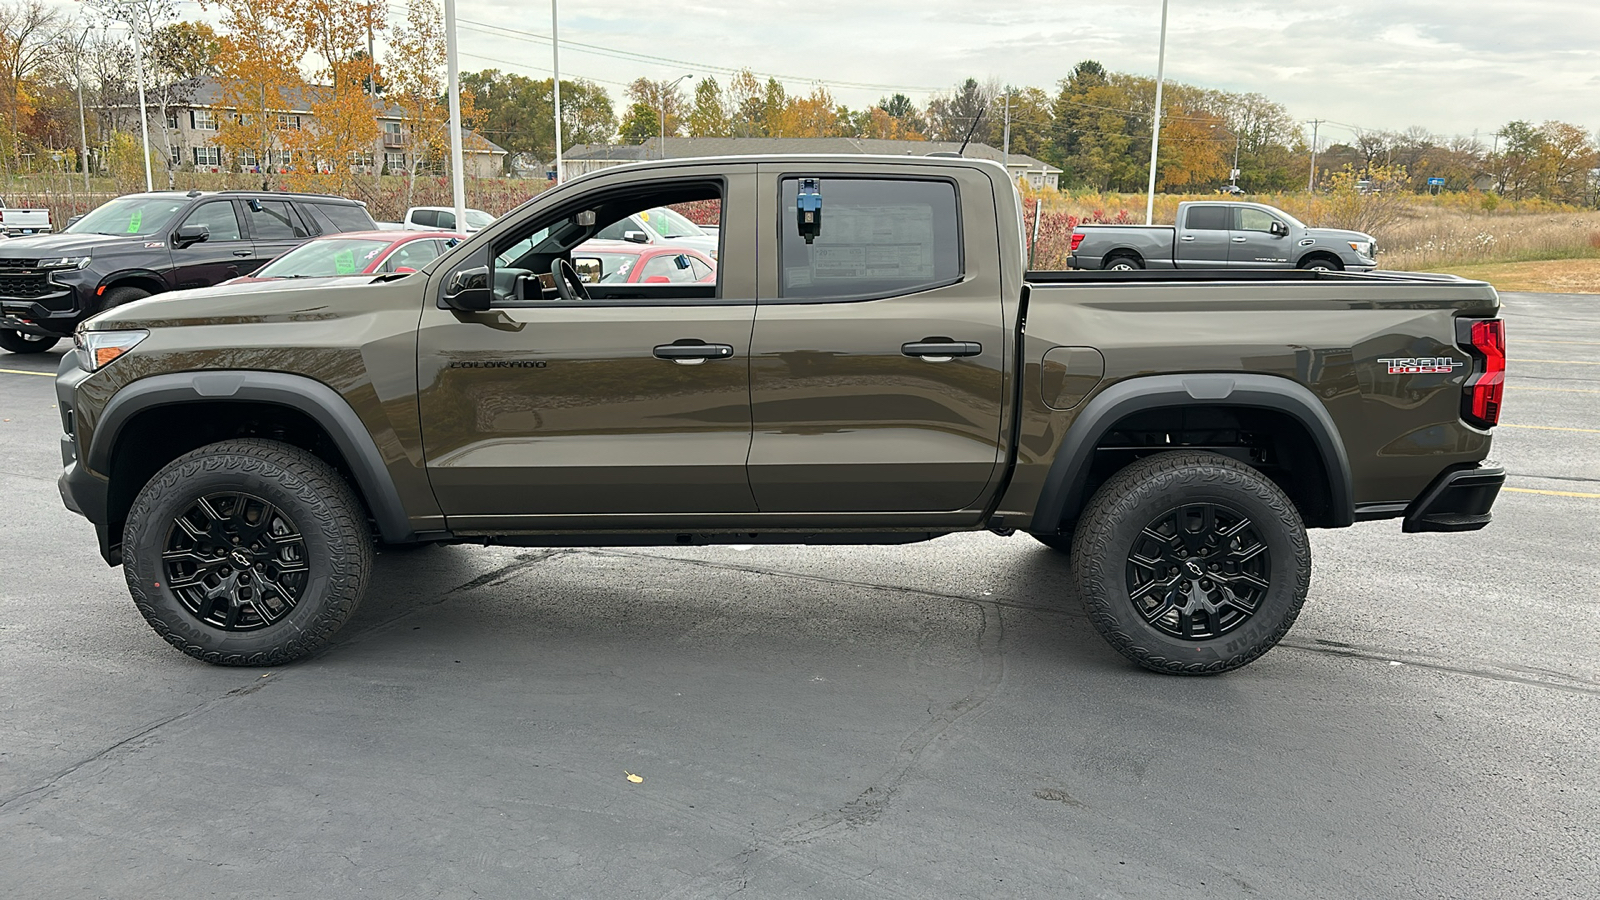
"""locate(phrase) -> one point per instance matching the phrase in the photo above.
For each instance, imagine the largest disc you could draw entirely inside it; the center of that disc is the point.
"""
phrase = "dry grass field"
(1556, 276)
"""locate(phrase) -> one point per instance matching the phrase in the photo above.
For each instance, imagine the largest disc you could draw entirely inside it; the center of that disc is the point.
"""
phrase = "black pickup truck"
(144, 244)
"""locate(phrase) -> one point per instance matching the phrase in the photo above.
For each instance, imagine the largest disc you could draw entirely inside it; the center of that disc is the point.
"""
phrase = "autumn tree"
(517, 112)
(709, 117)
(649, 103)
(258, 72)
(27, 30)
(962, 112)
(417, 90)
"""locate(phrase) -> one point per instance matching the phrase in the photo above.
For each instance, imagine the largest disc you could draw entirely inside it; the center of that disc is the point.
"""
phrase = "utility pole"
(555, 83)
(1311, 186)
(1155, 130)
(83, 127)
(1233, 177)
(1006, 148)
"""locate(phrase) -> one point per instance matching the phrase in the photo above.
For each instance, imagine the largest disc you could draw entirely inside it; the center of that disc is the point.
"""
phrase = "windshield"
(338, 256)
(477, 218)
(134, 214)
(671, 223)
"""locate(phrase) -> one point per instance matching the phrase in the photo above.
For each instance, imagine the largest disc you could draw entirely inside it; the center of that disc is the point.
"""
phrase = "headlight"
(1362, 247)
(64, 262)
(96, 349)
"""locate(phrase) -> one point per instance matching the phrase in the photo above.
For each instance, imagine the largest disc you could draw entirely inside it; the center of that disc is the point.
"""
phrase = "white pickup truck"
(15, 221)
(438, 218)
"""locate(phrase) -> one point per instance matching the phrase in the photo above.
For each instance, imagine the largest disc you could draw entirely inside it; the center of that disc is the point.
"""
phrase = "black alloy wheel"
(1199, 571)
(235, 561)
(1191, 562)
(17, 342)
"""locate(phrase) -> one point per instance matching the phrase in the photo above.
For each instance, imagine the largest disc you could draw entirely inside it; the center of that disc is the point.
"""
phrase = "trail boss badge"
(1421, 365)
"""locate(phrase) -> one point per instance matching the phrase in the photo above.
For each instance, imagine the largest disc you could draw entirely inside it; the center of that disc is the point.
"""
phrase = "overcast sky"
(1452, 66)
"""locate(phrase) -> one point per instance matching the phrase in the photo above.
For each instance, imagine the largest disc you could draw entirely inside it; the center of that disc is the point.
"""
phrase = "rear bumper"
(1458, 500)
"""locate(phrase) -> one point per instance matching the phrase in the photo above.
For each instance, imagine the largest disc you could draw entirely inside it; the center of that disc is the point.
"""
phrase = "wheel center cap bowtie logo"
(240, 559)
(1194, 568)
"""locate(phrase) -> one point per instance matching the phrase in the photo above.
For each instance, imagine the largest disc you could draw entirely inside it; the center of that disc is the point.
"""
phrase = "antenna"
(971, 128)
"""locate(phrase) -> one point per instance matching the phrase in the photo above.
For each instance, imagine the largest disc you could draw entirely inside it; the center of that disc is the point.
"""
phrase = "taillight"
(1076, 240)
(1481, 403)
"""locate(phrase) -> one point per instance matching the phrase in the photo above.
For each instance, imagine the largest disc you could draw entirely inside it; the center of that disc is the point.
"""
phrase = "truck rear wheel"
(1191, 563)
(17, 342)
(1123, 262)
(247, 553)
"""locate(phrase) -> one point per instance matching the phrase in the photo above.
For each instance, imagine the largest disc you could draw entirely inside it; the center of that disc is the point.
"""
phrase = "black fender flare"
(322, 403)
(115, 279)
(1063, 496)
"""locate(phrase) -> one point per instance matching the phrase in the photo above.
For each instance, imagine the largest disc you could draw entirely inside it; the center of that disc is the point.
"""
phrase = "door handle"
(243, 253)
(692, 351)
(1240, 240)
(940, 349)
(1188, 237)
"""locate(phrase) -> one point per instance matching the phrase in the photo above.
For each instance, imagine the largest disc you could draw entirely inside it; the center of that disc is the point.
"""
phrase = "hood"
(287, 299)
(34, 246)
(1333, 235)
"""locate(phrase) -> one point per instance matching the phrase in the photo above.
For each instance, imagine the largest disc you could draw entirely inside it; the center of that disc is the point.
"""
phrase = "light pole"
(83, 126)
(128, 8)
(1155, 131)
(555, 83)
(458, 181)
(664, 91)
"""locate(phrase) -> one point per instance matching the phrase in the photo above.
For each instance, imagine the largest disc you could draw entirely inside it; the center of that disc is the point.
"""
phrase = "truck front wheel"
(247, 553)
(17, 342)
(1191, 563)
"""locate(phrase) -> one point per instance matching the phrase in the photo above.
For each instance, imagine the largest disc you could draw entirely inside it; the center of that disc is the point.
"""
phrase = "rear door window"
(275, 220)
(339, 217)
(1207, 218)
(877, 238)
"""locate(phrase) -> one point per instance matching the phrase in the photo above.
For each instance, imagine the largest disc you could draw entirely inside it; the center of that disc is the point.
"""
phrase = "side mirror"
(187, 235)
(1278, 228)
(637, 237)
(468, 290)
(74, 220)
(590, 269)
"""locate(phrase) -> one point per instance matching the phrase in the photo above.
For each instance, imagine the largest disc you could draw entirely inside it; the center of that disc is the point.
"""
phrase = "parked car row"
(150, 243)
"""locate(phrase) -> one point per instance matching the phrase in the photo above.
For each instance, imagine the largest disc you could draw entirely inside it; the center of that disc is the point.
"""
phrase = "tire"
(1117, 557)
(17, 342)
(1322, 264)
(1123, 263)
(120, 295)
(295, 528)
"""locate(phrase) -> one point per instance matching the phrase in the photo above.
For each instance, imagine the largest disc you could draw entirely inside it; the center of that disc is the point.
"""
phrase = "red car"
(356, 253)
(625, 262)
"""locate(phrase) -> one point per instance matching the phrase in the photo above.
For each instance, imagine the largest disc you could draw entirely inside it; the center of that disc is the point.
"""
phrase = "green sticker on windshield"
(344, 262)
(135, 220)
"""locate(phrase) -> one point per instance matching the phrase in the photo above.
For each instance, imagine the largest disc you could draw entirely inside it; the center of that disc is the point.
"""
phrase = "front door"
(878, 363)
(613, 412)
(1203, 237)
(1254, 245)
(224, 254)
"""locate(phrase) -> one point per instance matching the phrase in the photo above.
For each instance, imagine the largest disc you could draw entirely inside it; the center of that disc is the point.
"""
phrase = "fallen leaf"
(636, 779)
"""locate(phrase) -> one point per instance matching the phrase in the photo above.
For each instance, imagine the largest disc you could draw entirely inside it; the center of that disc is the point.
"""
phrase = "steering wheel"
(568, 284)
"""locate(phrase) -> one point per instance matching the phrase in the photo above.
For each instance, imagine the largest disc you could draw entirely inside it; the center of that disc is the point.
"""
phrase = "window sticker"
(135, 220)
(344, 262)
(874, 242)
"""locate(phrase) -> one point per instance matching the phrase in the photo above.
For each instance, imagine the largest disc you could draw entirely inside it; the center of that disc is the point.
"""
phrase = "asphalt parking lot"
(936, 720)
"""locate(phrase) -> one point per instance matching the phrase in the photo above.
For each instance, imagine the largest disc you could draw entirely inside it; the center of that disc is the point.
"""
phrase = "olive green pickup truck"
(870, 364)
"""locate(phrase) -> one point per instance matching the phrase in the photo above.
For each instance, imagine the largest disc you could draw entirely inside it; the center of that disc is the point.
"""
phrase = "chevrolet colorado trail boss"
(143, 244)
(1223, 235)
(871, 365)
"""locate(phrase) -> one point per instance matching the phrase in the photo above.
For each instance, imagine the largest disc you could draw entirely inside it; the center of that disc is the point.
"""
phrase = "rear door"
(1203, 236)
(275, 227)
(1252, 244)
(878, 361)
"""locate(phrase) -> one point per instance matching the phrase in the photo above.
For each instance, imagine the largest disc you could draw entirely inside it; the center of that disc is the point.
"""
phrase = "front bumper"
(55, 311)
(1458, 500)
(82, 491)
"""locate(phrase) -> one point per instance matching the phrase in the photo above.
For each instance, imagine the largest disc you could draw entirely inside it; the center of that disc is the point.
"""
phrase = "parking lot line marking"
(25, 372)
(1584, 343)
(1553, 493)
(1552, 428)
(1558, 362)
(1518, 387)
